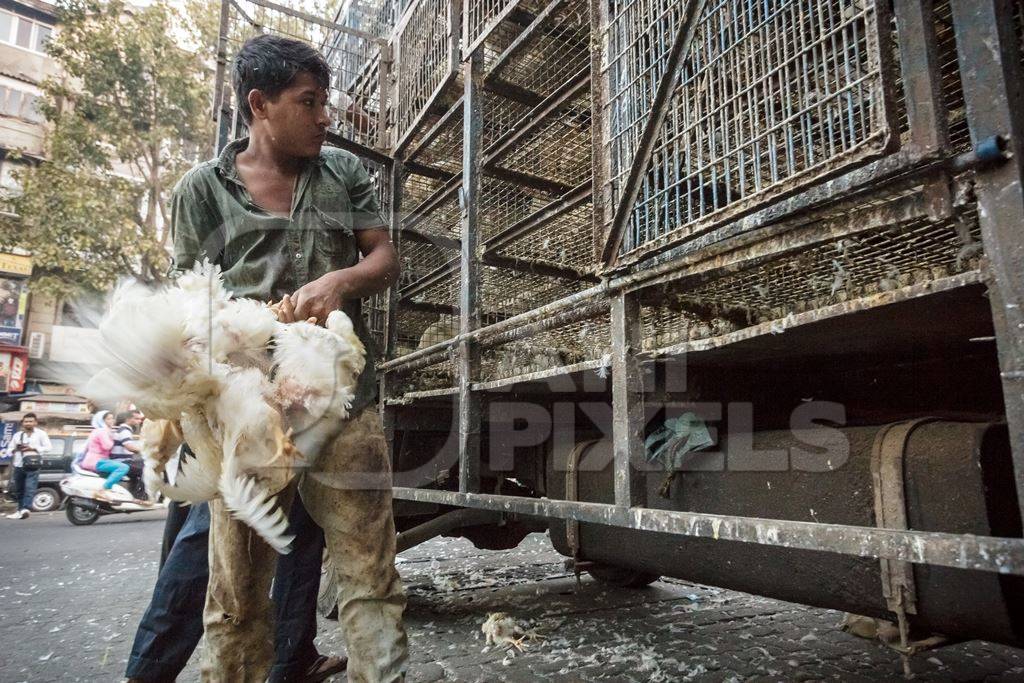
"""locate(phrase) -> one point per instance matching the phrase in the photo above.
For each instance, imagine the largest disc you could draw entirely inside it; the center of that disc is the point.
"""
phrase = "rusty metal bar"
(358, 149)
(436, 129)
(430, 238)
(533, 120)
(922, 92)
(817, 315)
(397, 176)
(963, 551)
(386, 64)
(523, 39)
(989, 56)
(551, 321)
(567, 202)
(438, 197)
(919, 62)
(627, 402)
(527, 180)
(600, 158)
(469, 313)
(430, 279)
(522, 265)
(649, 137)
(428, 171)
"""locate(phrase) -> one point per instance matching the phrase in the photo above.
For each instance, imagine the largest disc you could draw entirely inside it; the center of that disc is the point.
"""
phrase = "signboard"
(13, 368)
(13, 306)
(15, 264)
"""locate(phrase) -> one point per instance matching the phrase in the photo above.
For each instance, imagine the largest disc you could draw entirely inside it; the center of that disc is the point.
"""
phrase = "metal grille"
(771, 95)
(567, 241)
(354, 94)
(425, 62)
(480, 17)
(553, 55)
(557, 348)
(909, 253)
(445, 150)
(560, 150)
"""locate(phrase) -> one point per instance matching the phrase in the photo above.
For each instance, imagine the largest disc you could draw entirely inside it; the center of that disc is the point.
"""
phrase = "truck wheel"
(45, 500)
(621, 577)
(327, 598)
(80, 516)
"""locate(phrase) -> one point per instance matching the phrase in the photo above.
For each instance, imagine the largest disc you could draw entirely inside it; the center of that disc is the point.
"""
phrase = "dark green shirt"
(265, 256)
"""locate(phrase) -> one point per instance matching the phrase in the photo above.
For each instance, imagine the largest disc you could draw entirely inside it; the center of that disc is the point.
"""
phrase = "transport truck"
(722, 290)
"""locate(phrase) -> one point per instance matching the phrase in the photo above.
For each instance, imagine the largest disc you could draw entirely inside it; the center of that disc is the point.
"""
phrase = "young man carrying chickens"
(287, 221)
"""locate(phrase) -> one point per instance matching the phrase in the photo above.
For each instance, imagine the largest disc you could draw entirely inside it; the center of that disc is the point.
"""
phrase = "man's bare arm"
(377, 270)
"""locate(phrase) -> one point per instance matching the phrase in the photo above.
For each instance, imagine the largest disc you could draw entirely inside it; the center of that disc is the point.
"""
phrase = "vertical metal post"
(989, 57)
(383, 93)
(627, 402)
(919, 62)
(600, 159)
(922, 92)
(469, 314)
(221, 94)
(396, 176)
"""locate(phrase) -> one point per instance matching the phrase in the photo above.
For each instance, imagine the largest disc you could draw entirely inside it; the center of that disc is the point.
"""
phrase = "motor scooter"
(87, 500)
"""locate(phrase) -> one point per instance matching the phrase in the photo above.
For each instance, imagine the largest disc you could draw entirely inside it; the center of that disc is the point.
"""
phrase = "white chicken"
(253, 397)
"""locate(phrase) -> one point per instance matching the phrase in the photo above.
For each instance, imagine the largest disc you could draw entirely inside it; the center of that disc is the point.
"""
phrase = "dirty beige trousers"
(349, 495)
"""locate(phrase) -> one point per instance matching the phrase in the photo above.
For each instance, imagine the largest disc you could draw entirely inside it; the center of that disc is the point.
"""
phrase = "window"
(12, 103)
(24, 32)
(24, 36)
(56, 447)
(29, 108)
(42, 38)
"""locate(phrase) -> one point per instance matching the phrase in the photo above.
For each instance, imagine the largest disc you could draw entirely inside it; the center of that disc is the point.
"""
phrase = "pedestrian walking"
(27, 448)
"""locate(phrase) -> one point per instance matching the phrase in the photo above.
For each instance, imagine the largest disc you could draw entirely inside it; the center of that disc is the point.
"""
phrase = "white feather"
(253, 506)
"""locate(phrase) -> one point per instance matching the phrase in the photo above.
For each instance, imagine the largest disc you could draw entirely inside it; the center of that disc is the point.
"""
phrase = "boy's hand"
(285, 311)
(318, 298)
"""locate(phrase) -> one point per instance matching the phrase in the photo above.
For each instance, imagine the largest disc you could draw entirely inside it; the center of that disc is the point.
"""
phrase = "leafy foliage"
(128, 116)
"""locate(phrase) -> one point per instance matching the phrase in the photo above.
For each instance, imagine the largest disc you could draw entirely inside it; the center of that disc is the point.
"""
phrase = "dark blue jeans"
(173, 623)
(23, 487)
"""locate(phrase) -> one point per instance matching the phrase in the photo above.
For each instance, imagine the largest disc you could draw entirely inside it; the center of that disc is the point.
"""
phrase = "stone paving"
(71, 598)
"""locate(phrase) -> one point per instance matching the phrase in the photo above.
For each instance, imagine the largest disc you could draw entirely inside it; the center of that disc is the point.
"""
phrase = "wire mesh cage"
(427, 61)
(550, 56)
(482, 16)
(564, 346)
(771, 96)
(888, 257)
(354, 57)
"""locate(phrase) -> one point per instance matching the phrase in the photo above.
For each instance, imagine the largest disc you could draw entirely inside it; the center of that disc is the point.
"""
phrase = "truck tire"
(621, 577)
(46, 499)
(80, 516)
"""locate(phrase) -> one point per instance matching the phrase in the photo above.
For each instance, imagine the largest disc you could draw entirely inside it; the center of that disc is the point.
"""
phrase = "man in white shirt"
(27, 447)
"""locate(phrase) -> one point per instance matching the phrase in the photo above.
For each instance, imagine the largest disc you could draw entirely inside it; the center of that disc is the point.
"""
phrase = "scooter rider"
(126, 448)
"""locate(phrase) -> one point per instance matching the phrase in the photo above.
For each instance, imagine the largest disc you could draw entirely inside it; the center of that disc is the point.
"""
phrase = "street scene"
(511, 340)
(73, 614)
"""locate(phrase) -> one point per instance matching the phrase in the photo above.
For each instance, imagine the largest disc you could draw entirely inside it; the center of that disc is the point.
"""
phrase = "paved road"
(71, 597)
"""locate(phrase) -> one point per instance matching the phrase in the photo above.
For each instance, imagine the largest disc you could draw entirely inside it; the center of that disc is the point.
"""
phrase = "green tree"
(129, 115)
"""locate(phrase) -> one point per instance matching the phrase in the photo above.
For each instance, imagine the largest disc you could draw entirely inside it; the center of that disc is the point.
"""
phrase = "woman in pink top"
(97, 450)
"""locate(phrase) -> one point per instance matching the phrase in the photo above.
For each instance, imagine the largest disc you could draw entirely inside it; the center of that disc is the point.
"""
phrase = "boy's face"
(297, 119)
